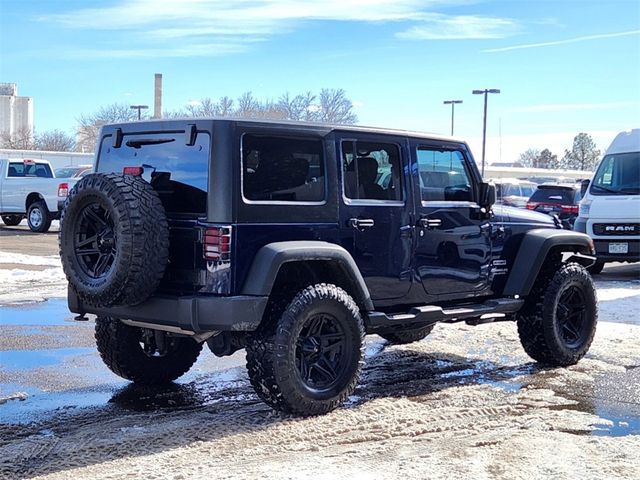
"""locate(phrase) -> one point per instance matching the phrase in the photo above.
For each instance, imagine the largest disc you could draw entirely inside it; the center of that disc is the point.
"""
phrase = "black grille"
(616, 228)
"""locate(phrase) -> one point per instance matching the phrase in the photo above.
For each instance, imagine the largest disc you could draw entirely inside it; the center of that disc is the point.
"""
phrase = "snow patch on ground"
(21, 259)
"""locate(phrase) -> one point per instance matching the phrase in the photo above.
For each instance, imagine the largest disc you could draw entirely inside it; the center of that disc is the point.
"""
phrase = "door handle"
(360, 223)
(430, 222)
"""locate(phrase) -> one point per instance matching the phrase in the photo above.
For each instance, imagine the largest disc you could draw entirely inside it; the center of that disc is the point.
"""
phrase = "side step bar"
(430, 314)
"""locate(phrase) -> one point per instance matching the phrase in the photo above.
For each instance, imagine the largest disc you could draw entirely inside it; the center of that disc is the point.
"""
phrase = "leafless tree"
(300, 107)
(21, 139)
(583, 155)
(335, 107)
(54, 141)
(89, 124)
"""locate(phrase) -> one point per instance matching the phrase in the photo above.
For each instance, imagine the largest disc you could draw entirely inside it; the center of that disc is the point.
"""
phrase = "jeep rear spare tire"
(114, 240)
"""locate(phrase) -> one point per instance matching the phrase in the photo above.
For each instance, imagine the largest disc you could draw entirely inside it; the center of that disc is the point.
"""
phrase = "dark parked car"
(294, 241)
(557, 199)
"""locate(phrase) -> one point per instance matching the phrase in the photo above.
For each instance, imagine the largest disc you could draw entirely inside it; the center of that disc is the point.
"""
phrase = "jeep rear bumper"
(191, 313)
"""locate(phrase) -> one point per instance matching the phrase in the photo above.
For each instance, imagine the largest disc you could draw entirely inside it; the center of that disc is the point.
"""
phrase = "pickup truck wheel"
(308, 361)
(11, 220)
(596, 268)
(38, 217)
(142, 355)
(114, 240)
(401, 337)
(558, 321)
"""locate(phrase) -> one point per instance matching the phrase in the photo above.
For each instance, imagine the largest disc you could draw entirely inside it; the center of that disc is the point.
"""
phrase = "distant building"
(16, 113)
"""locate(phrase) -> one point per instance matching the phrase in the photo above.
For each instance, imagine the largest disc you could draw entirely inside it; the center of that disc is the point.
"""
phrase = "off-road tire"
(402, 337)
(120, 349)
(39, 208)
(140, 235)
(12, 220)
(271, 352)
(539, 323)
(596, 268)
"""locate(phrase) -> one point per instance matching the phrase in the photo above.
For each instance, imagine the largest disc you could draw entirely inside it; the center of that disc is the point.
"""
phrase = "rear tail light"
(532, 205)
(135, 171)
(569, 208)
(63, 189)
(217, 244)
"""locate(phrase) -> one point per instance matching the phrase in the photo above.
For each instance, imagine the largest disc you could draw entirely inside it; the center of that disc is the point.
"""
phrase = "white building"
(16, 113)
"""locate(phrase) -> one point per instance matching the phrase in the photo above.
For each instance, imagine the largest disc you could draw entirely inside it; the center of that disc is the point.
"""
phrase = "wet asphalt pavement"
(48, 364)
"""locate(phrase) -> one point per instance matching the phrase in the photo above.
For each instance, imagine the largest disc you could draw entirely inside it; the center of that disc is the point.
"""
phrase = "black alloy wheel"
(321, 353)
(572, 317)
(94, 242)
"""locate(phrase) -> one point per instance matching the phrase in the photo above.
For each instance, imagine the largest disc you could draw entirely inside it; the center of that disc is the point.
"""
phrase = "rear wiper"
(149, 141)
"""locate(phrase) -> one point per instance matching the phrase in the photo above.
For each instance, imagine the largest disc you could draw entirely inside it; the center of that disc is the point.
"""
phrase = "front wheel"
(558, 322)
(308, 361)
(142, 355)
(11, 220)
(38, 217)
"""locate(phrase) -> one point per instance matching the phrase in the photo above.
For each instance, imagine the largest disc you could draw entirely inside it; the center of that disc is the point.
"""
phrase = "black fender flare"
(267, 262)
(533, 251)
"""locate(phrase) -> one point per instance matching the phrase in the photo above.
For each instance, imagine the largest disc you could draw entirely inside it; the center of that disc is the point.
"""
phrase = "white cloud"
(170, 28)
(357, 104)
(462, 27)
(562, 42)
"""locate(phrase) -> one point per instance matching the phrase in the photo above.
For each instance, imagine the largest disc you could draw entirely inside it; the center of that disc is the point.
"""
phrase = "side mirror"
(487, 195)
(584, 185)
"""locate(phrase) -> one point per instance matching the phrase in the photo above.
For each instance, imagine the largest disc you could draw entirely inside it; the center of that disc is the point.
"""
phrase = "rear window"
(177, 171)
(282, 169)
(555, 195)
(21, 169)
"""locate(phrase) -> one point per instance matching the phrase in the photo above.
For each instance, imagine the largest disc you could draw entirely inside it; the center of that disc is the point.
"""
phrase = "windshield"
(618, 174)
(65, 172)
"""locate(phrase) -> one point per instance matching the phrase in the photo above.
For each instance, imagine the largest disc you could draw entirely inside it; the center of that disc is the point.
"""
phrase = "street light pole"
(484, 123)
(452, 102)
(139, 108)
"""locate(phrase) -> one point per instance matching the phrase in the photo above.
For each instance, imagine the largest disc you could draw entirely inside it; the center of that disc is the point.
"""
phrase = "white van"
(610, 208)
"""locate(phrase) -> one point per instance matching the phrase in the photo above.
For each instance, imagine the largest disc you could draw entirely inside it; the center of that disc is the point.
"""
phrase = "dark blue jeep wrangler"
(294, 241)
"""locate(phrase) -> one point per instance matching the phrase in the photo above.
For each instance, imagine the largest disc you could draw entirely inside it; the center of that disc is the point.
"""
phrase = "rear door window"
(282, 169)
(177, 171)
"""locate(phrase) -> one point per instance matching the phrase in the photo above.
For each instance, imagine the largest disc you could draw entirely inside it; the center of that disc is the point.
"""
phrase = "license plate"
(547, 208)
(618, 248)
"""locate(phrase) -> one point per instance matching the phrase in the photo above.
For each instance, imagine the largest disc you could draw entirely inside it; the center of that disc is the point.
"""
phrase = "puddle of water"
(49, 312)
(28, 359)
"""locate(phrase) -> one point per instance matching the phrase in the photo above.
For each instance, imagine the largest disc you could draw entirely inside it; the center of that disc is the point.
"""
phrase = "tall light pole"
(484, 123)
(139, 108)
(452, 102)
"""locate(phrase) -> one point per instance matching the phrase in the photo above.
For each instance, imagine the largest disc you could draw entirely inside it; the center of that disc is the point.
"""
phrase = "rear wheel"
(12, 220)
(558, 322)
(38, 217)
(307, 361)
(143, 355)
(400, 337)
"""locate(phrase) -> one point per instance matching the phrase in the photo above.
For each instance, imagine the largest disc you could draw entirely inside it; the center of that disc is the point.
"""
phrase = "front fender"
(535, 247)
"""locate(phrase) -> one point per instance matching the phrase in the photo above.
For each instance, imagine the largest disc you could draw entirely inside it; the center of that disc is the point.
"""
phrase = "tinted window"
(443, 175)
(282, 169)
(21, 169)
(371, 170)
(178, 172)
(66, 172)
(558, 195)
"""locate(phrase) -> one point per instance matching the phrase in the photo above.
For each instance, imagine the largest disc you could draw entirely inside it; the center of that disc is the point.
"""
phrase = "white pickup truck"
(29, 188)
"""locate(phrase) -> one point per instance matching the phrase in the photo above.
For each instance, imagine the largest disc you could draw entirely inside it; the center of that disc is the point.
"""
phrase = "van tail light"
(63, 190)
(217, 244)
(135, 171)
(532, 205)
(569, 208)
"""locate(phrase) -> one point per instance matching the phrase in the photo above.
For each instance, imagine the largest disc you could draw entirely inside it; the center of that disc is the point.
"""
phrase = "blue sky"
(563, 67)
